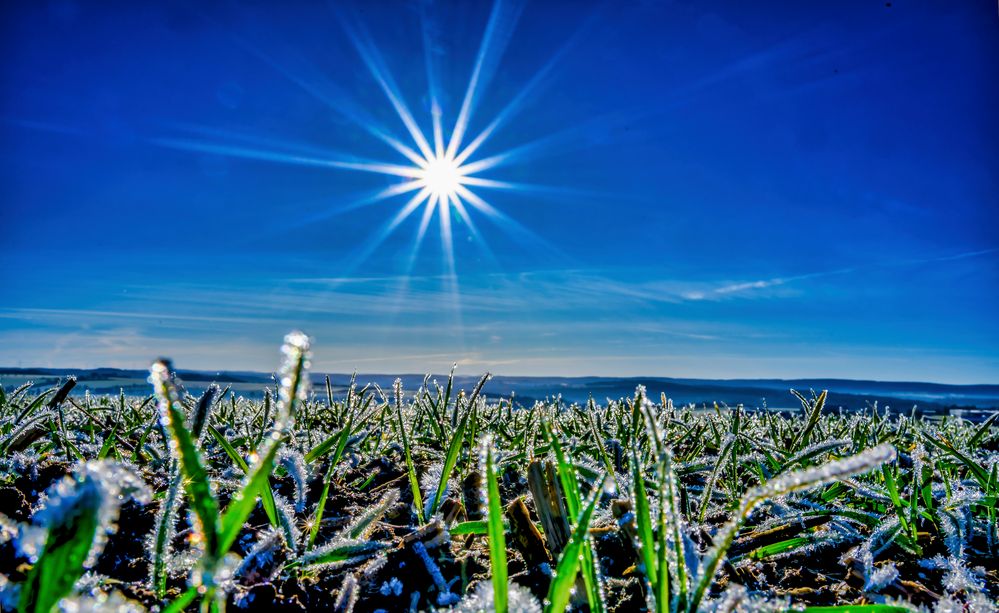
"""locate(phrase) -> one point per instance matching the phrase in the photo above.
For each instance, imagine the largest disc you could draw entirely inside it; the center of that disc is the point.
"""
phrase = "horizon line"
(507, 376)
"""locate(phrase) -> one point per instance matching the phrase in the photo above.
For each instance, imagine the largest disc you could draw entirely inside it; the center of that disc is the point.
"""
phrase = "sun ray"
(428, 60)
(442, 171)
(494, 41)
(428, 213)
(438, 131)
(447, 241)
(459, 208)
(337, 101)
(511, 226)
(532, 188)
(363, 201)
(567, 139)
(347, 163)
(388, 228)
(480, 182)
(518, 101)
(372, 59)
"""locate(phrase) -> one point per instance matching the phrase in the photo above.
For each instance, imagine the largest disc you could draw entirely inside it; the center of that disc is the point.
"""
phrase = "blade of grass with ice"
(643, 522)
(570, 486)
(497, 539)
(66, 548)
(785, 484)
(564, 578)
(454, 448)
(267, 496)
(341, 445)
(294, 389)
(414, 482)
(185, 450)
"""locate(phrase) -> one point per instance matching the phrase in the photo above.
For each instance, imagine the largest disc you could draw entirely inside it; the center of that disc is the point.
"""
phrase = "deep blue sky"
(717, 189)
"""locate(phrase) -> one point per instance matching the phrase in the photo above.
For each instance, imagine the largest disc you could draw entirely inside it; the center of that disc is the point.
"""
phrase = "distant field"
(974, 401)
(437, 496)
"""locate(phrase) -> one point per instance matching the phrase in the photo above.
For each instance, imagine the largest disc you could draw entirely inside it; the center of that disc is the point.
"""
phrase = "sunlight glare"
(442, 176)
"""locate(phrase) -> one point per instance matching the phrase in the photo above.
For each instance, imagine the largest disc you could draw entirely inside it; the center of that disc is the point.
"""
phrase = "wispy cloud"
(746, 288)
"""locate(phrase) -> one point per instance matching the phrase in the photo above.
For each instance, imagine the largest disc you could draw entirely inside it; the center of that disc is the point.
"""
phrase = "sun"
(440, 172)
(442, 176)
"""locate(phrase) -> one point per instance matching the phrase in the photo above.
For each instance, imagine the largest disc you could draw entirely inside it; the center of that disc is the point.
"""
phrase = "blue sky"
(674, 188)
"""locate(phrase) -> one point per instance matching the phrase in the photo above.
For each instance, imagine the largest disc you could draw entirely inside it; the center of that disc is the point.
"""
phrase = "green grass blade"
(785, 484)
(184, 448)
(66, 548)
(984, 429)
(341, 445)
(677, 560)
(977, 471)
(560, 589)
(203, 411)
(454, 449)
(294, 390)
(478, 527)
(815, 411)
(780, 547)
(339, 553)
(497, 539)
(570, 486)
(325, 446)
(165, 522)
(266, 495)
(363, 524)
(710, 483)
(414, 482)
(643, 522)
(184, 601)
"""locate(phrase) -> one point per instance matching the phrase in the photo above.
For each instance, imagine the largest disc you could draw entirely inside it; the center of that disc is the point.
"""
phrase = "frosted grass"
(402, 470)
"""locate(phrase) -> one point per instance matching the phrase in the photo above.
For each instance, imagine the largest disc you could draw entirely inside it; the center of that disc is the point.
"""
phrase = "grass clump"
(437, 500)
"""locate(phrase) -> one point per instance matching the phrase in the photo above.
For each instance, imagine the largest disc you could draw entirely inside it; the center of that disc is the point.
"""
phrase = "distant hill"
(754, 393)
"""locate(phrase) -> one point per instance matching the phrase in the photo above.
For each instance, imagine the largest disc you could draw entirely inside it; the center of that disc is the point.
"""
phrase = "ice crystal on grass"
(785, 484)
(96, 486)
(866, 553)
(964, 586)
(881, 577)
(428, 483)
(444, 596)
(258, 565)
(286, 519)
(819, 475)
(340, 552)
(737, 599)
(362, 527)
(391, 587)
(519, 600)
(294, 464)
(958, 577)
(97, 601)
(690, 482)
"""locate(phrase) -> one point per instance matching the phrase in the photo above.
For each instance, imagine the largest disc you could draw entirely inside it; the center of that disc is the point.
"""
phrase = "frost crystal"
(258, 565)
(519, 600)
(391, 587)
(97, 487)
(294, 463)
(444, 595)
(99, 602)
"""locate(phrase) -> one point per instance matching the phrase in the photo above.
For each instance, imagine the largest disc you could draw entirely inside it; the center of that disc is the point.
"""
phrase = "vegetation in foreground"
(439, 499)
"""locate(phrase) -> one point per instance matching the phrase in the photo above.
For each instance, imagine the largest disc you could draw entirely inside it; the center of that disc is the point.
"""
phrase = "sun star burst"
(443, 176)
(441, 171)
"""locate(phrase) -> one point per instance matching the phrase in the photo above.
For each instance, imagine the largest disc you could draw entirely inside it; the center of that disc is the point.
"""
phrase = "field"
(438, 498)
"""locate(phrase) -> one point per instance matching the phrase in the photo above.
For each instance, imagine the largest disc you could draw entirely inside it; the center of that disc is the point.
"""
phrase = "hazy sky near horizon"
(707, 189)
